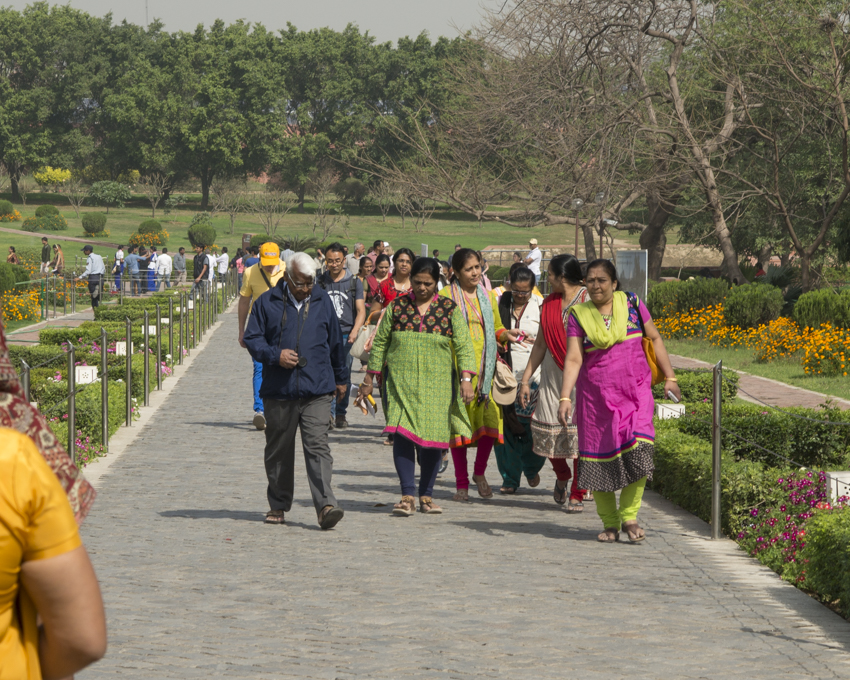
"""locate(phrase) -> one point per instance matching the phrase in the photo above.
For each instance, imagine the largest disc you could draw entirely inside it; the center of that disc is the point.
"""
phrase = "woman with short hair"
(424, 396)
(607, 367)
(481, 312)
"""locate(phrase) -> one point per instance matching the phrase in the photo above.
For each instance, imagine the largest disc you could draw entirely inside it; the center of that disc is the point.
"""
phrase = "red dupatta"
(553, 328)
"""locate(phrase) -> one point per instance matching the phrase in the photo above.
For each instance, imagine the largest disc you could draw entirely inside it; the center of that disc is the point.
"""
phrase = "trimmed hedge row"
(698, 386)
(673, 297)
(813, 444)
(827, 557)
(683, 475)
(823, 306)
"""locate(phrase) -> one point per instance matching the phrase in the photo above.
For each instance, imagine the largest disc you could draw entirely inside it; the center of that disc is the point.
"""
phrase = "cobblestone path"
(197, 586)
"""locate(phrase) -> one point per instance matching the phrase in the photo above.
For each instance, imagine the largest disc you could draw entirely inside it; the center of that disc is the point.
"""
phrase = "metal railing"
(204, 310)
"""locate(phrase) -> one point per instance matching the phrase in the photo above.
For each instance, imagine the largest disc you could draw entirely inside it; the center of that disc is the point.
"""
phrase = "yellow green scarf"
(593, 324)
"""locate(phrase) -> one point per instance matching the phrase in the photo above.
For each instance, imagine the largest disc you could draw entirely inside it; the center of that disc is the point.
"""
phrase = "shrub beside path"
(196, 586)
(769, 391)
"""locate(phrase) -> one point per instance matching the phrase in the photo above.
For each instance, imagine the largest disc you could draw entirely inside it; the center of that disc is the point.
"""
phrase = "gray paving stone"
(196, 586)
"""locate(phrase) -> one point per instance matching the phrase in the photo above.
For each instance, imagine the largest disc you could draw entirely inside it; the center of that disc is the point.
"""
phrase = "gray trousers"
(282, 419)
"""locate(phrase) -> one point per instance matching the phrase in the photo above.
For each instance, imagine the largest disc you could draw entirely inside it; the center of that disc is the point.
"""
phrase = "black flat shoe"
(330, 517)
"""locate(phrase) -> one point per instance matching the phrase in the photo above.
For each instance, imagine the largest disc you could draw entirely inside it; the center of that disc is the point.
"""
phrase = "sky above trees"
(384, 19)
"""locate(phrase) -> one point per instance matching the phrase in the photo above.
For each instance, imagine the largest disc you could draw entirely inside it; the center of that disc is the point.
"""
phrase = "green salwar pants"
(630, 500)
(516, 458)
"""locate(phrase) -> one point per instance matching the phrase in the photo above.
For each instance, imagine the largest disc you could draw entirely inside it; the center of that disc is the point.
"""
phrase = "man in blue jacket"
(294, 333)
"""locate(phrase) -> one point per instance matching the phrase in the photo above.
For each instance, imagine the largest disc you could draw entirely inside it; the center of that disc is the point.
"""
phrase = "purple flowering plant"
(775, 533)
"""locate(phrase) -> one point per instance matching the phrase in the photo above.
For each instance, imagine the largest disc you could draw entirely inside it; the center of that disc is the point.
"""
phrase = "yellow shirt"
(36, 523)
(254, 283)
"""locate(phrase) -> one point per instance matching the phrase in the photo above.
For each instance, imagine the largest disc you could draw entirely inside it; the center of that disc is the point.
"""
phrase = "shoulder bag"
(648, 347)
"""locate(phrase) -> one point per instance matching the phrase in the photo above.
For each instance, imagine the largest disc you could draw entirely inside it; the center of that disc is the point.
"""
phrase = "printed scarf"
(488, 356)
(602, 336)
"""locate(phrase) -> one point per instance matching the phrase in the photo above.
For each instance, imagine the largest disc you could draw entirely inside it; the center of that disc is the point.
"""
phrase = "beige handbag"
(505, 384)
(358, 349)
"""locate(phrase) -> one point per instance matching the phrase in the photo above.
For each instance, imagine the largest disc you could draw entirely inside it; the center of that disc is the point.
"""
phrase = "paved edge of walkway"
(813, 620)
(705, 364)
(56, 237)
(121, 440)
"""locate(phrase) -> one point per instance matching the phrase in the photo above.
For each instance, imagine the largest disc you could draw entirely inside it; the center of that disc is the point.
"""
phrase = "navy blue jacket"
(321, 343)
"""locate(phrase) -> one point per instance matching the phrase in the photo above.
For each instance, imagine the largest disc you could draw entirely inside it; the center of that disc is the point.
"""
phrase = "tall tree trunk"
(16, 194)
(206, 180)
(806, 270)
(653, 239)
(589, 242)
(302, 190)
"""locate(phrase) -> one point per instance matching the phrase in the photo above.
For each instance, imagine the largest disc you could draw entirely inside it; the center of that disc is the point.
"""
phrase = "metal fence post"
(64, 296)
(72, 404)
(158, 348)
(147, 371)
(171, 328)
(195, 311)
(25, 380)
(53, 279)
(182, 319)
(716, 400)
(104, 390)
(128, 371)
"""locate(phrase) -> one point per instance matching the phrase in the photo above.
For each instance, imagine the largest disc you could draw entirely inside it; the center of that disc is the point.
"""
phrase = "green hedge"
(46, 210)
(819, 445)
(118, 313)
(45, 223)
(94, 222)
(150, 227)
(752, 305)
(10, 274)
(671, 297)
(823, 306)
(698, 386)
(90, 332)
(683, 475)
(826, 556)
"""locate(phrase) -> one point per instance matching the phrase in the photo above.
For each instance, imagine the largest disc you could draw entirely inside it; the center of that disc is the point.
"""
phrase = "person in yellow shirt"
(256, 280)
(44, 572)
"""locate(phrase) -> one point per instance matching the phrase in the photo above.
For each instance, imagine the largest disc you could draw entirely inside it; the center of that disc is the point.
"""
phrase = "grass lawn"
(445, 228)
(790, 371)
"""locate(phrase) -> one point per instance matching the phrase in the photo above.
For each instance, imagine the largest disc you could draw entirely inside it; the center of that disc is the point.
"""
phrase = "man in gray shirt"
(180, 266)
(352, 261)
(95, 271)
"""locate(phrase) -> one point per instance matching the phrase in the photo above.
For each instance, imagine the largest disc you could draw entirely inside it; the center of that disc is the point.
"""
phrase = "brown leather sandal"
(405, 508)
(610, 535)
(427, 506)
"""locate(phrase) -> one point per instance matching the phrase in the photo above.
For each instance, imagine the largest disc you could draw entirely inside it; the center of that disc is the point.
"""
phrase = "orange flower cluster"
(20, 306)
(14, 216)
(158, 238)
(822, 351)
(827, 351)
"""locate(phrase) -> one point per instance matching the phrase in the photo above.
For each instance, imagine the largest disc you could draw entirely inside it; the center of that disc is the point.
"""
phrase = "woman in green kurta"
(480, 310)
(424, 397)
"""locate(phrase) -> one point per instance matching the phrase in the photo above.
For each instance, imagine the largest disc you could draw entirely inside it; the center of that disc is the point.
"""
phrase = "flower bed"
(822, 351)
(780, 515)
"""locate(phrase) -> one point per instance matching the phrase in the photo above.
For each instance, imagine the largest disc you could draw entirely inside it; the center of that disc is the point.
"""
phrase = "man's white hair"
(303, 264)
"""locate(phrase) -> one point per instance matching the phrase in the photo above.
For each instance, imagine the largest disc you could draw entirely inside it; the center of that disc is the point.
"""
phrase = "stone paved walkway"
(764, 390)
(196, 586)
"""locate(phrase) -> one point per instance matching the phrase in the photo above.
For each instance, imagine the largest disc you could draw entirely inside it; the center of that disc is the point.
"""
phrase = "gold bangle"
(565, 399)
(671, 379)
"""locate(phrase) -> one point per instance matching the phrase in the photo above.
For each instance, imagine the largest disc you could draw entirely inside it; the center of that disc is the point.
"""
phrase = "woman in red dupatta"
(550, 439)
(17, 413)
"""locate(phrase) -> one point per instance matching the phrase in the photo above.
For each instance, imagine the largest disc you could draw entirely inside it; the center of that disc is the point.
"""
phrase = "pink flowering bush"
(776, 535)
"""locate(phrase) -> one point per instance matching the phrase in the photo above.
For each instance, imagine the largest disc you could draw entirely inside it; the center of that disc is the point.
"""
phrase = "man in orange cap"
(256, 280)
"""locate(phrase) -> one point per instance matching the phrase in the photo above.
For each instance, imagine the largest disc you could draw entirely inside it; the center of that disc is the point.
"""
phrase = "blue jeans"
(341, 408)
(163, 278)
(404, 455)
(258, 381)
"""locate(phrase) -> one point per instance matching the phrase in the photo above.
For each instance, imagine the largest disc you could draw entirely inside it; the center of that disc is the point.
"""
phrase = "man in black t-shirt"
(346, 294)
(45, 256)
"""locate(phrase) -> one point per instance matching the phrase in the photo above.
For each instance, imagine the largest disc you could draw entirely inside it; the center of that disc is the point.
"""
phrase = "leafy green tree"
(110, 193)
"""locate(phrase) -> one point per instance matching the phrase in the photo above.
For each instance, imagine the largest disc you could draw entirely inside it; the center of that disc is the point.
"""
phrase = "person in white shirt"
(164, 265)
(223, 262)
(532, 260)
(212, 265)
(117, 269)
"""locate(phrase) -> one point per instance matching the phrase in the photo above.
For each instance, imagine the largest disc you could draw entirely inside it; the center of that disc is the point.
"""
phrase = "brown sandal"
(534, 481)
(405, 508)
(462, 496)
(484, 489)
(635, 533)
(610, 535)
(275, 517)
(427, 506)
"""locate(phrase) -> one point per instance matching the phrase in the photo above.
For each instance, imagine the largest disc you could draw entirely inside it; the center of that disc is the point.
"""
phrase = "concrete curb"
(125, 436)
